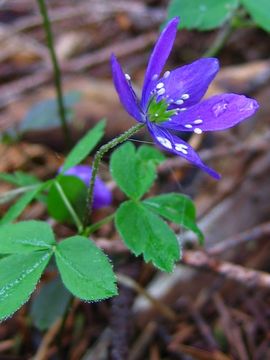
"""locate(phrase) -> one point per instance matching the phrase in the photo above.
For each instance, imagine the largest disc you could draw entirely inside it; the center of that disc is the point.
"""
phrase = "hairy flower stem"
(98, 157)
(56, 70)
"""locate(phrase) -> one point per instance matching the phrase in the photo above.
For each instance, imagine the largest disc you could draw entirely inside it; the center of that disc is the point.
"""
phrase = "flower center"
(158, 111)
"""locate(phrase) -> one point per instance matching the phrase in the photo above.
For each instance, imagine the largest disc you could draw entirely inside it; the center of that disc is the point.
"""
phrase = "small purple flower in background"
(171, 102)
(102, 195)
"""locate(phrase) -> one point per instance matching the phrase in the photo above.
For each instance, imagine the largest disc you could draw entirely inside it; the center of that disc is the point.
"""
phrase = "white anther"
(198, 121)
(183, 109)
(182, 148)
(188, 126)
(154, 77)
(160, 85)
(161, 91)
(166, 74)
(185, 96)
(179, 102)
(197, 131)
(127, 76)
(165, 142)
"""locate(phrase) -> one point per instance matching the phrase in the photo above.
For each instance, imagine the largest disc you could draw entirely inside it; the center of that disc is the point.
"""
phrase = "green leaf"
(16, 209)
(146, 233)
(44, 114)
(49, 304)
(151, 154)
(176, 208)
(19, 274)
(26, 236)
(85, 269)
(75, 191)
(202, 14)
(259, 11)
(19, 178)
(133, 172)
(84, 146)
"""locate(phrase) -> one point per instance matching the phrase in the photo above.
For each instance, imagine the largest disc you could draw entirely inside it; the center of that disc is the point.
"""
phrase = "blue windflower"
(171, 102)
(102, 195)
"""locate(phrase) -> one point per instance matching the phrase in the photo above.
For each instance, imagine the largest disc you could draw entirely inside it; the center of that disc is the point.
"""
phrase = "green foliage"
(25, 236)
(25, 250)
(17, 208)
(19, 178)
(134, 171)
(19, 274)
(74, 190)
(202, 14)
(50, 303)
(259, 11)
(86, 144)
(85, 269)
(44, 115)
(146, 233)
(176, 208)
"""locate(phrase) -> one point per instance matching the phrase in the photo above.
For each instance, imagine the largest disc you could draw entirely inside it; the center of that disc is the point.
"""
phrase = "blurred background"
(215, 305)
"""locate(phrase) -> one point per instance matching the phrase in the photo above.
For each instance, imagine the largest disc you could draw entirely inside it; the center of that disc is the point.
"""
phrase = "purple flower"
(102, 195)
(171, 102)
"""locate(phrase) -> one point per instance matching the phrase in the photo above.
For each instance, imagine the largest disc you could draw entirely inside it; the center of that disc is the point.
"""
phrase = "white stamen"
(183, 109)
(185, 96)
(182, 148)
(198, 121)
(154, 77)
(197, 131)
(127, 76)
(161, 91)
(165, 142)
(188, 126)
(160, 85)
(179, 102)
(166, 74)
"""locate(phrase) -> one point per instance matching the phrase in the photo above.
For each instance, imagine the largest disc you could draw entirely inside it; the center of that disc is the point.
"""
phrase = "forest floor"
(215, 305)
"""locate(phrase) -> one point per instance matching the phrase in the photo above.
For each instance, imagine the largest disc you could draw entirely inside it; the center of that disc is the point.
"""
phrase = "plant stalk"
(56, 71)
(98, 157)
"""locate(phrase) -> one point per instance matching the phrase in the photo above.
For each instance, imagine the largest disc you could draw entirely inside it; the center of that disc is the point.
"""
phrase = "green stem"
(56, 70)
(94, 227)
(222, 36)
(99, 155)
(69, 207)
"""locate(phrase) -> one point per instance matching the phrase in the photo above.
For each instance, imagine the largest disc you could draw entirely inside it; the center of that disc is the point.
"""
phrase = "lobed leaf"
(19, 274)
(49, 304)
(134, 172)
(85, 269)
(259, 11)
(202, 14)
(26, 236)
(176, 208)
(146, 233)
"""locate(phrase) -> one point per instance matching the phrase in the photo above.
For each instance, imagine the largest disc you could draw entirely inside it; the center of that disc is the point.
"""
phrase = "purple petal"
(102, 195)
(188, 84)
(217, 113)
(158, 57)
(125, 91)
(177, 146)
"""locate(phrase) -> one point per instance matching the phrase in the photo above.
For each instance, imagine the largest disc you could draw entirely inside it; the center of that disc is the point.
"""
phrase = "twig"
(253, 234)
(47, 340)
(124, 48)
(56, 70)
(163, 309)
(247, 277)
(231, 330)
